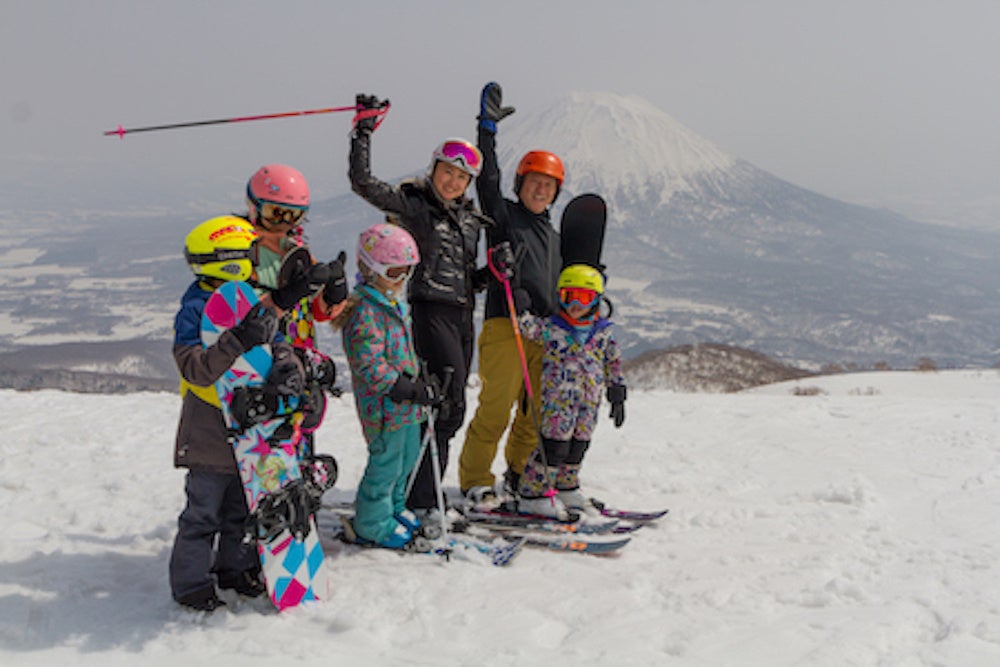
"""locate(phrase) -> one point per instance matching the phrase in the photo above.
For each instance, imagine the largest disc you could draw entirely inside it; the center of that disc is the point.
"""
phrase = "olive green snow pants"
(502, 389)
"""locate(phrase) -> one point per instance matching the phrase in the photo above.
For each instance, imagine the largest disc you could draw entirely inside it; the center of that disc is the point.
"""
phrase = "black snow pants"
(444, 337)
(216, 510)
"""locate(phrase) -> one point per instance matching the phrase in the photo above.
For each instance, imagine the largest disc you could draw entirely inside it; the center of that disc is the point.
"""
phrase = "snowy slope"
(853, 527)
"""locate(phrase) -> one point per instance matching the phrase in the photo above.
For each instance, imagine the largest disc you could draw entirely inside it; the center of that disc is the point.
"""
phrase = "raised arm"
(376, 192)
(491, 112)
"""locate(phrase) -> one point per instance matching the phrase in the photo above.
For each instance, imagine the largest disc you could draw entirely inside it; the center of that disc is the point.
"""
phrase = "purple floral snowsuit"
(576, 367)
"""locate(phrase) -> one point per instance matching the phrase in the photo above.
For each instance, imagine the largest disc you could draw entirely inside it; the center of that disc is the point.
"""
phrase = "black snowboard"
(581, 231)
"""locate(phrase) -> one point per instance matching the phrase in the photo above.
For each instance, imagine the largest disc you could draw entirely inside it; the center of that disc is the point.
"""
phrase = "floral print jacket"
(576, 366)
(379, 347)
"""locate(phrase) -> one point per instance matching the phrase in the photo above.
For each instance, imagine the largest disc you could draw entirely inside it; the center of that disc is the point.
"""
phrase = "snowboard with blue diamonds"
(268, 459)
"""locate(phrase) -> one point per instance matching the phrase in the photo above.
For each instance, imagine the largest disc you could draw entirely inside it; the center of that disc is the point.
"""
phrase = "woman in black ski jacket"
(446, 226)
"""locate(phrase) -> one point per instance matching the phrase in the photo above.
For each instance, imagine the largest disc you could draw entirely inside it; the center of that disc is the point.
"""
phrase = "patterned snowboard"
(268, 459)
(298, 328)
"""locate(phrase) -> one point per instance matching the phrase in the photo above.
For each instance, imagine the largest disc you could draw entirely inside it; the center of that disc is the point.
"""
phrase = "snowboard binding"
(320, 370)
(288, 509)
(319, 474)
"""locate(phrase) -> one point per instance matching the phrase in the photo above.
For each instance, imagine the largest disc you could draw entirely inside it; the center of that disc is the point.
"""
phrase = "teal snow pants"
(382, 490)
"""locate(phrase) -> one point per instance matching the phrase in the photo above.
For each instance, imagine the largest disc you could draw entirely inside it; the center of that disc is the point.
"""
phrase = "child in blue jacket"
(217, 250)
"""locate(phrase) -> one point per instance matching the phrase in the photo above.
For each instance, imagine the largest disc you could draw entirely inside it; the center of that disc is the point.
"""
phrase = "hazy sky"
(887, 103)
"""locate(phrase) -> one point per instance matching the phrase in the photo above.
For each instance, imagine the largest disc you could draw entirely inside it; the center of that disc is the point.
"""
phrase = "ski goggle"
(577, 296)
(398, 273)
(280, 214)
(461, 154)
(224, 255)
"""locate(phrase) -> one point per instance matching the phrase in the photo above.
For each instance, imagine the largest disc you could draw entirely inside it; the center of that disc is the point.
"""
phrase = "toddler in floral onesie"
(580, 359)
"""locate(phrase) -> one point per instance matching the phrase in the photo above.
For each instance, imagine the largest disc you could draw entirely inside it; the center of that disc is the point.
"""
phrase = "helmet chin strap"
(586, 319)
(398, 290)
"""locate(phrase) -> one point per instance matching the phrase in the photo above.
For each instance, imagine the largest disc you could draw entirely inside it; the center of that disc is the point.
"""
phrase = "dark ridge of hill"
(706, 367)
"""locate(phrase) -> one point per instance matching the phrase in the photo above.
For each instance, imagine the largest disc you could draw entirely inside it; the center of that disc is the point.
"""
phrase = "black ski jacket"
(447, 234)
(534, 241)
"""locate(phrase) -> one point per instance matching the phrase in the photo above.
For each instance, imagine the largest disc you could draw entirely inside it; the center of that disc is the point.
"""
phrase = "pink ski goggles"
(462, 154)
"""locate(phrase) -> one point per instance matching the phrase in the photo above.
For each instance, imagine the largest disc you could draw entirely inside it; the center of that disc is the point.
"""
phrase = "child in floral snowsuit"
(387, 390)
(580, 358)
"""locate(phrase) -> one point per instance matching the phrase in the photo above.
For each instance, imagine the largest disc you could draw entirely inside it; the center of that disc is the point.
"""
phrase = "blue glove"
(491, 109)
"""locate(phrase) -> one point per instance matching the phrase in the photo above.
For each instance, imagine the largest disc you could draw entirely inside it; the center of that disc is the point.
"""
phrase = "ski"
(628, 515)
(503, 518)
(588, 544)
(499, 550)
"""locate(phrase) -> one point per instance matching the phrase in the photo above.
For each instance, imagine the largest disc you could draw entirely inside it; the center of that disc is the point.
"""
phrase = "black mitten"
(258, 327)
(305, 281)
(287, 376)
(335, 288)
(365, 120)
(491, 109)
(616, 396)
(502, 256)
(415, 390)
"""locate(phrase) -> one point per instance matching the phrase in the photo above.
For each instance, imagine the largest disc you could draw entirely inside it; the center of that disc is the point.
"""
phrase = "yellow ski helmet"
(221, 248)
(582, 276)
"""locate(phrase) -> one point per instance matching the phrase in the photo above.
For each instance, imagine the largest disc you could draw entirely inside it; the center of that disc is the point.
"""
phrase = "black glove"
(616, 396)
(522, 300)
(491, 110)
(415, 390)
(287, 376)
(481, 279)
(335, 287)
(258, 327)
(305, 281)
(366, 103)
(502, 256)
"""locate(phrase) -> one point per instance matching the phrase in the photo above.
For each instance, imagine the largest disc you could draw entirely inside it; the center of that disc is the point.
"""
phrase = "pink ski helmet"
(385, 246)
(278, 193)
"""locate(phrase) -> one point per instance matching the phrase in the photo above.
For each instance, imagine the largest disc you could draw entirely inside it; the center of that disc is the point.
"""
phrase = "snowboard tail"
(581, 231)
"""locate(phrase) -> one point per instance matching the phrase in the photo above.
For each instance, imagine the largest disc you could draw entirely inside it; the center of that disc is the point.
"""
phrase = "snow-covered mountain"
(621, 147)
(702, 247)
(705, 247)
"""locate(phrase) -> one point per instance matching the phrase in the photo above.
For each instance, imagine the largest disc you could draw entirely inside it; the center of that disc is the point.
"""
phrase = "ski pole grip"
(493, 268)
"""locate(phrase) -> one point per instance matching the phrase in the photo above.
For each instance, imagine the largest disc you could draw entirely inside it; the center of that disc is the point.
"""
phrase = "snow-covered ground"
(855, 526)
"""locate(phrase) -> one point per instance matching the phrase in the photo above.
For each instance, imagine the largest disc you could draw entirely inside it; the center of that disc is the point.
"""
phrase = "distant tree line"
(925, 364)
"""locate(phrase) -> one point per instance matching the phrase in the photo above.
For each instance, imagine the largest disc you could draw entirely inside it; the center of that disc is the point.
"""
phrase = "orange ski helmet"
(542, 162)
